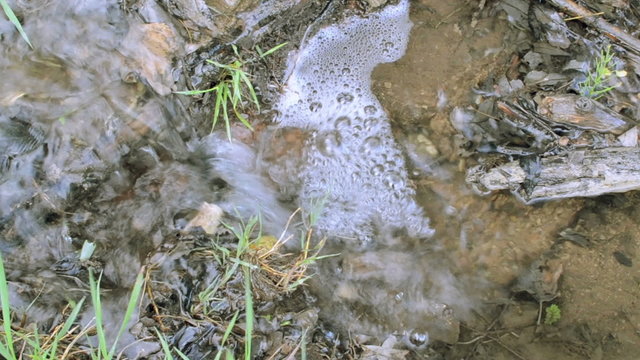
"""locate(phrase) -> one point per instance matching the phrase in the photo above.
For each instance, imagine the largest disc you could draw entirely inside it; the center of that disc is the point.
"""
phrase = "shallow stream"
(96, 147)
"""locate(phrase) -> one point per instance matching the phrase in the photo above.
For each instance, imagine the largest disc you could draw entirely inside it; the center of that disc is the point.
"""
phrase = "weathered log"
(583, 113)
(589, 18)
(577, 173)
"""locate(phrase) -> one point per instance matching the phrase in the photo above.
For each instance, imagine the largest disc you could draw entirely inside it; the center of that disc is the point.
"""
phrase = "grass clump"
(257, 262)
(33, 345)
(595, 85)
(14, 20)
(63, 342)
(233, 89)
(552, 314)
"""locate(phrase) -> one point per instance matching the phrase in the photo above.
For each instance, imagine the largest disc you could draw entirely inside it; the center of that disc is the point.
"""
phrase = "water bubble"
(370, 109)
(315, 106)
(371, 143)
(377, 170)
(418, 338)
(329, 143)
(370, 123)
(346, 71)
(357, 130)
(343, 122)
(344, 98)
(393, 180)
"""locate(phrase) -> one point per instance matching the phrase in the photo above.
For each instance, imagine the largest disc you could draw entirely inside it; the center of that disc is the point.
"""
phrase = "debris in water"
(622, 258)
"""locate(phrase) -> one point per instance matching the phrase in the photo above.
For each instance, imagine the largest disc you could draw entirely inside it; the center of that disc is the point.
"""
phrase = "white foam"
(351, 154)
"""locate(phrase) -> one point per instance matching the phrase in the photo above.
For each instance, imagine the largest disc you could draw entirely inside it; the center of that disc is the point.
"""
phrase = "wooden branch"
(577, 173)
(586, 16)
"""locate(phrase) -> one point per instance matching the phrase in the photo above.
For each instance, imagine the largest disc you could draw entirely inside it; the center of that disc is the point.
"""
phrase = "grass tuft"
(233, 88)
(594, 86)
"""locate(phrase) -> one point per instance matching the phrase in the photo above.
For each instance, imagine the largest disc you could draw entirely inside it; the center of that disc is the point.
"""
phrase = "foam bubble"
(351, 150)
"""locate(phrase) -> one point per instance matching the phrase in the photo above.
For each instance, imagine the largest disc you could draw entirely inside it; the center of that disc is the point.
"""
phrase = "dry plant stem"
(73, 342)
(273, 356)
(499, 342)
(586, 16)
(539, 313)
(149, 291)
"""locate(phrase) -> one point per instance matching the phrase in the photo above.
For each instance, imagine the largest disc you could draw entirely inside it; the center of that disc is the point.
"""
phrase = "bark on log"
(578, 173)
(586, 16)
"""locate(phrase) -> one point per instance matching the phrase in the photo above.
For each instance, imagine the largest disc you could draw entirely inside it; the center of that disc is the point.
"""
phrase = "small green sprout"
(552, 314)
(594, 86)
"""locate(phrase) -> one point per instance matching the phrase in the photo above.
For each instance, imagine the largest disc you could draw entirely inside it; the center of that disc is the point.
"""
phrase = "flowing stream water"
(95, 147)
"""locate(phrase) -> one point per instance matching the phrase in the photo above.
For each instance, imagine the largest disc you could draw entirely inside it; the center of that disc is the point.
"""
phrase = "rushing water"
(95, 147)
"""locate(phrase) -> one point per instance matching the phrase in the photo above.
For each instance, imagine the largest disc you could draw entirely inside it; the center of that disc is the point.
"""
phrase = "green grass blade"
(298, 282)
(243, 120)
(227, 332)
(254, 98)
(182, 356)
(217, 64)
(303, 345)
(6, 314)
(133, 300)
(235, 50)
(272, 50)
(225, 113)
(51, 354)
(195, 92)
(248, 299)
(12, 17)
(165, 346)
(216, 109)
(5, 353)
(236, 97)
(97, 308)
